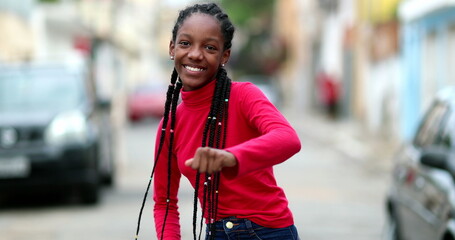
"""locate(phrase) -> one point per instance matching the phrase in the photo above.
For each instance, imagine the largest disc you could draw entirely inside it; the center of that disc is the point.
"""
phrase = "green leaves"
(241, 11)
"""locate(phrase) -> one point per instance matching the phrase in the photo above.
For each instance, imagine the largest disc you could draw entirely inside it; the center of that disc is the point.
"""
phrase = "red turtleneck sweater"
(259, 137)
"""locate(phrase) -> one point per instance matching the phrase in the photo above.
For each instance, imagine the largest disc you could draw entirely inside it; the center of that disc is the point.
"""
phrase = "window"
(448, 132)
(433, 126)
(451, 57)
(39, 89)
(430, 70)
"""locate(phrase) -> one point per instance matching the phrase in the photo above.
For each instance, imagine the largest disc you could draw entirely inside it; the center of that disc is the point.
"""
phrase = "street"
(333, 194)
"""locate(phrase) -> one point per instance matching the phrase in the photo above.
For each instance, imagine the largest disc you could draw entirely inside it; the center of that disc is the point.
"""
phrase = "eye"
(184, 43)
(210, 47)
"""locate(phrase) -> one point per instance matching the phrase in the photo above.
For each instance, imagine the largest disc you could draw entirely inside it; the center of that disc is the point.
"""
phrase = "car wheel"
(391, 231)
(106, 157)
(90, 193)
(108, 179)
(107, 168)
(448, 236)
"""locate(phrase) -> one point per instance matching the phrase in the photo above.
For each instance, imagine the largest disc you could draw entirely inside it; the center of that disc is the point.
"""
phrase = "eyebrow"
(207, 39)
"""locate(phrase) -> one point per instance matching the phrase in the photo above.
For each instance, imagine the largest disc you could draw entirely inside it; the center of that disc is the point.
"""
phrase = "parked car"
(54, 134)
(146, 100)
(421, 199)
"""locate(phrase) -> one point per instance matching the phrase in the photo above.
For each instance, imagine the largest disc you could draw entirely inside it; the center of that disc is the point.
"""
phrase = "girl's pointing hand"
(211, 160)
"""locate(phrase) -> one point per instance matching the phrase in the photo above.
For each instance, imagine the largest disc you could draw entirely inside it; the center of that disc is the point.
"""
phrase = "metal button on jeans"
(229, 225)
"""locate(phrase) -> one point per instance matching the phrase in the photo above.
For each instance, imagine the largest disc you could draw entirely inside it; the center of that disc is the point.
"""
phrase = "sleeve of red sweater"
(160, 192)
(277, 142)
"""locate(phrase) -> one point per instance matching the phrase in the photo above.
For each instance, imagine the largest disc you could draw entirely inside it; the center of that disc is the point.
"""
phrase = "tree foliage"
(49, 1)
(262, 52)
(241, 11)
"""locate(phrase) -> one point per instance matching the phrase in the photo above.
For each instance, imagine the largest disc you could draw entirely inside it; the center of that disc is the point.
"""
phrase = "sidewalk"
(348, 137)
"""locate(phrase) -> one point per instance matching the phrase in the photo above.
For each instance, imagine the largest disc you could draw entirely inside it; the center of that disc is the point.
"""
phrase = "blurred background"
(82, 90)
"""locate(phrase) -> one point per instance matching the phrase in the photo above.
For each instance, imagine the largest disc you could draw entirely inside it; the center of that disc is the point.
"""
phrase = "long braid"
(221, 75)
(214, 130)
(170, 150)
(221, 126)
(198, 175)
(221, 132)
(207, 140)
(225, 125)
(167, 106)
(213, 136)
(196, 190)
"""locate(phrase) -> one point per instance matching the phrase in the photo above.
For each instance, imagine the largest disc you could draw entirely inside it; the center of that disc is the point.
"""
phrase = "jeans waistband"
(234, 223)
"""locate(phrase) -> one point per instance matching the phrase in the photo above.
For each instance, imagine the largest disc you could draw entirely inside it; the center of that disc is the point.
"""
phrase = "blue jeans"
(232, 228)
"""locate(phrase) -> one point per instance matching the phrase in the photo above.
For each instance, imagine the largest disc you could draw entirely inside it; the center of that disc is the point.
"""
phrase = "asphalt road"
(332, 195)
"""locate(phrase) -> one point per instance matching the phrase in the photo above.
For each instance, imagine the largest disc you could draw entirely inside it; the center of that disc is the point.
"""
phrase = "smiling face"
(198, 51)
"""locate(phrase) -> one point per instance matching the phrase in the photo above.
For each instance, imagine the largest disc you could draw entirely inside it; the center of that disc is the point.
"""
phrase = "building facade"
(428, 55)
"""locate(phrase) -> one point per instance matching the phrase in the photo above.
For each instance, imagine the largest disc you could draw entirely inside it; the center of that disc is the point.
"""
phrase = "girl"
(225, 137)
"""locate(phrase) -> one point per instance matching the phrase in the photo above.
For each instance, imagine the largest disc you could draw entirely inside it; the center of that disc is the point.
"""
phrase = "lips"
(194, 68)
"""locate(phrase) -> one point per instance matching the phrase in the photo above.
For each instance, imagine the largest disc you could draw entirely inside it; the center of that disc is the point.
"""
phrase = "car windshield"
(39, 90)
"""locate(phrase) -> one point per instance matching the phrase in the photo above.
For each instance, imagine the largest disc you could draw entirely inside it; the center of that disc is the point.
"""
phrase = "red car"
(146, 101)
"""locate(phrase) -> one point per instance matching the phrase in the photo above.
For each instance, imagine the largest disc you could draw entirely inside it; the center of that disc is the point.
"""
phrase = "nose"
(195, 53)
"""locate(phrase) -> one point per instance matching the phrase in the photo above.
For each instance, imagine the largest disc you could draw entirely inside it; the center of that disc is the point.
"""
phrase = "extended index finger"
(199, 156)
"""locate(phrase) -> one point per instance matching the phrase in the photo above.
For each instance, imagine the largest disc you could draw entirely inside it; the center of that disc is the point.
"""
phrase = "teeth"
(194, 69)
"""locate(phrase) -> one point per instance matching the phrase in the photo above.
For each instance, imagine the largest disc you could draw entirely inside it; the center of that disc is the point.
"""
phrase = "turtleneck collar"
(199, 98)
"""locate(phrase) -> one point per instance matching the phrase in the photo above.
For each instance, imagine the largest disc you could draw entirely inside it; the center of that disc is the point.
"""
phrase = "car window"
(433, 126)
(38, 90)
(448, 133)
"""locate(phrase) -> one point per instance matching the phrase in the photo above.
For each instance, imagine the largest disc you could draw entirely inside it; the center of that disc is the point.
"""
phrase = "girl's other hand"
(211, 160)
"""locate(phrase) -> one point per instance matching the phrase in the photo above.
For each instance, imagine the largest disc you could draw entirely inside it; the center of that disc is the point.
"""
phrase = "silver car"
(421, 199)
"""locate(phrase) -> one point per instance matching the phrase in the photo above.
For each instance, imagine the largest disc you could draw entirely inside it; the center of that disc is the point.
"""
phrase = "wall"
(428, 58)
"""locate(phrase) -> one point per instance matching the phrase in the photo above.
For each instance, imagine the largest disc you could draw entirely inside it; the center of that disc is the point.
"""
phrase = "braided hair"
(215, 129)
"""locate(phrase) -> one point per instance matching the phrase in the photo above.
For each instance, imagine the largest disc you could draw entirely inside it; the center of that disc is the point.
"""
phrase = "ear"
(171, 48)
(225, 57)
